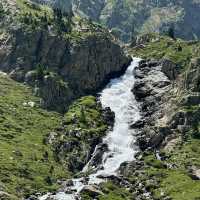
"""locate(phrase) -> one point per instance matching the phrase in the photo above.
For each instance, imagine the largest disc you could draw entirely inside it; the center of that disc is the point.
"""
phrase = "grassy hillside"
(160, 47)
(27, 165)
(30, 161)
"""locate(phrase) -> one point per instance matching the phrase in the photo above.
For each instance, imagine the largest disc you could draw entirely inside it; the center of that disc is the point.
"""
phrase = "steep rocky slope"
(168, 134)
(62, 56)
(167, 87)
(129, 17)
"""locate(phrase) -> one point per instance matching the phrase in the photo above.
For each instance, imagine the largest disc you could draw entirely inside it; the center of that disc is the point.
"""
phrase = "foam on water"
(118, 96)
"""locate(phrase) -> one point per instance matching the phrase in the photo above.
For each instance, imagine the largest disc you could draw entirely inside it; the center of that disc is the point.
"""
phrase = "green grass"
(25, 161)
(114, 192)
(34, 16)
(178, 183)
(28, 164)
(152, 161)
(178, 51)
(179, 186)
(87, 114)
(175, 183)
(111, 192)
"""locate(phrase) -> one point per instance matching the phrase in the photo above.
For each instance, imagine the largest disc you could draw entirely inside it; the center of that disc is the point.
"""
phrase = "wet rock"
(114, 178)
(142, 142)
(152, 63)
(98, 155)
(137, 124)
(92, 191)
(33, 197)
(141, 90)
(138, 74)
(68, 183)
(75, 164)
(108, 116)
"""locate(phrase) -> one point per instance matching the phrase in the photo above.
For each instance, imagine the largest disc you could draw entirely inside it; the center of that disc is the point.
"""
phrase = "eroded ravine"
(118, 96)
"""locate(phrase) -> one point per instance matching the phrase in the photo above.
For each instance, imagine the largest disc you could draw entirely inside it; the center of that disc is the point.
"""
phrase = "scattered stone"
(3, 73)
(5, 195)
(51, 138)
(194, 172)
(30, 103)
(17, 74)
(67, 183)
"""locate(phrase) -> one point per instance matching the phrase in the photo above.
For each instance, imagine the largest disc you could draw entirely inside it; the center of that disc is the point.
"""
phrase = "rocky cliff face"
(127, 17)
(75, 54)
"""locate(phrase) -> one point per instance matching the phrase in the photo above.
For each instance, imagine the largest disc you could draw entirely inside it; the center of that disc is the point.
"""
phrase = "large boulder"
(141, 90)
(194, 173)
(91, 191)
(97, 156)
(169, 68)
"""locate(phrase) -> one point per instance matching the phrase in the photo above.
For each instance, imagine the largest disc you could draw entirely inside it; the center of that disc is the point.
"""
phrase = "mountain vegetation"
(55, 56)
(127, 17)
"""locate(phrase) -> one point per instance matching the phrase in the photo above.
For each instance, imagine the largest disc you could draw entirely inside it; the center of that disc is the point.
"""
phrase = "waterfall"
(118, 96)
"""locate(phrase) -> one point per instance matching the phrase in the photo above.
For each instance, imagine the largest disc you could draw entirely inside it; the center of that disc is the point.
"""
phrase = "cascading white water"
(118, 96)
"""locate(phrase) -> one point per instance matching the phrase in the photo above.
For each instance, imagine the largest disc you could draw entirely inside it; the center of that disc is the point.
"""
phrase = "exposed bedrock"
(84, 66)
(154, 89)
(154, 81)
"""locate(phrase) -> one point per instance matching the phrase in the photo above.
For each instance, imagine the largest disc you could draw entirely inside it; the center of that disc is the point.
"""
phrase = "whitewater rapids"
(118, 96)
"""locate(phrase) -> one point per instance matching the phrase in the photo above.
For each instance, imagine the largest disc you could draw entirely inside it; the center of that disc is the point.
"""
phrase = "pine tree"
(171, 32)
(40, 69)
(82, 115)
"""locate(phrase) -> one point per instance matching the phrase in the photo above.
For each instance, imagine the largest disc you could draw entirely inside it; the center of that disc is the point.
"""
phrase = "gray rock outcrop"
(80, 65)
